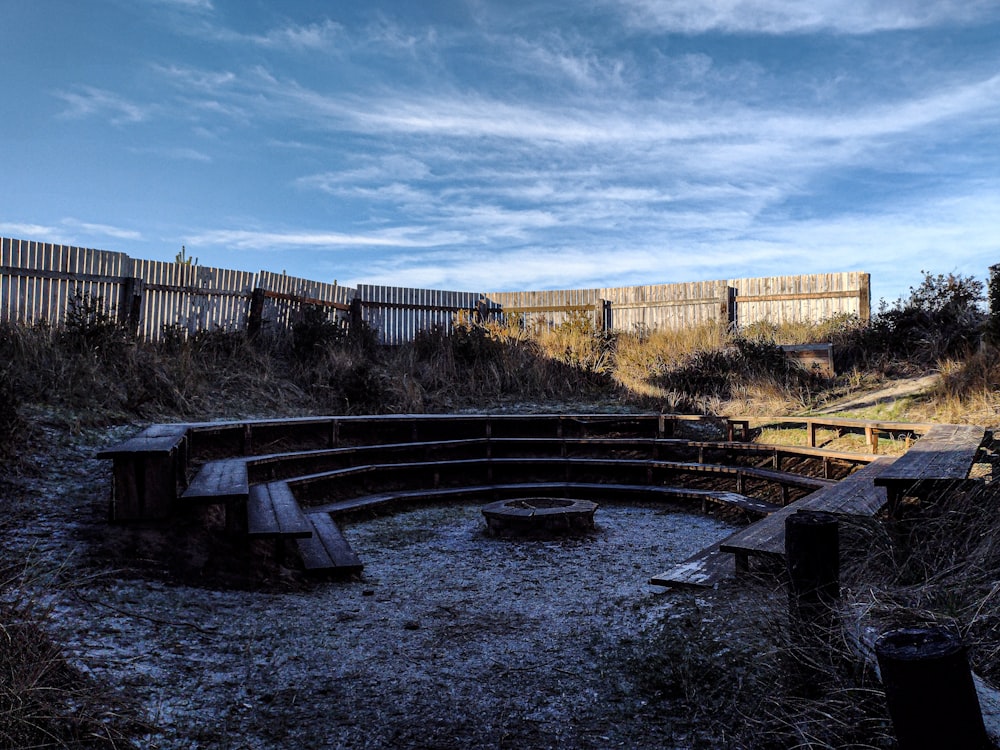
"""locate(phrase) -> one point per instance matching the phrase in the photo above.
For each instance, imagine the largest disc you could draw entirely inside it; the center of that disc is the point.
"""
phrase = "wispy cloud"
(177, 153)
(314, 36)
(239, 239)
(106, 230)
(67, 231)
(782, 17)
(89, 101)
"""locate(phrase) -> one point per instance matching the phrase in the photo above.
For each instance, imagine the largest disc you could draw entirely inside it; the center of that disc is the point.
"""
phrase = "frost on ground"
(451, 639)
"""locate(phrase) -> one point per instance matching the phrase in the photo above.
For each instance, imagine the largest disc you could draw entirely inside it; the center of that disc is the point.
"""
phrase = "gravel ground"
(451, 639)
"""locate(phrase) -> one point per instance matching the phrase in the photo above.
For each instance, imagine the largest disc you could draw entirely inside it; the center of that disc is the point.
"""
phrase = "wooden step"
(272, 512)
(219, 482)
(327, 551)
(703, 569)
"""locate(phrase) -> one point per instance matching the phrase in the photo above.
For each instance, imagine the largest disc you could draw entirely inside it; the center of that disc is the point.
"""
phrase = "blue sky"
(486, 146)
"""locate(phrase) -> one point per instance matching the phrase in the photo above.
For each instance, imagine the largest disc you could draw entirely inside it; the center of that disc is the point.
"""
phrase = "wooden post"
(130, 304)
(812, 427)
(929, 689)
(356, 314)
(812, 554)
(255, 316)
(865, 298)
(812, 551)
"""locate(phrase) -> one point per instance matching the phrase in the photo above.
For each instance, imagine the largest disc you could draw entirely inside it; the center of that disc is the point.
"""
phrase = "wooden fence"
(39, 281)
(796, 299)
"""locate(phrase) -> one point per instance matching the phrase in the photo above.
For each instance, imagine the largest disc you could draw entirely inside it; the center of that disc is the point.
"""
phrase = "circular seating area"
(290, 479)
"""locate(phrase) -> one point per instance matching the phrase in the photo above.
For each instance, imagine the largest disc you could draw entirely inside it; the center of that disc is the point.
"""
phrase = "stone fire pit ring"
(539, 516)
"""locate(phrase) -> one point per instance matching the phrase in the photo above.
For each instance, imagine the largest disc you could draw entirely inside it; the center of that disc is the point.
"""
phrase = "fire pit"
(539, 516)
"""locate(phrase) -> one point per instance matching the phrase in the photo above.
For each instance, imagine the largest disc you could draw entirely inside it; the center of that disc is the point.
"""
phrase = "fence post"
(255, 318)
(357, 316)
(130, 304)
(812, 552)
(812, 549)
(865, 298)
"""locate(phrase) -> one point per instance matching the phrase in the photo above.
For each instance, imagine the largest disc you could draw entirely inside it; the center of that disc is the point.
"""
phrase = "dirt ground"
(451, 639)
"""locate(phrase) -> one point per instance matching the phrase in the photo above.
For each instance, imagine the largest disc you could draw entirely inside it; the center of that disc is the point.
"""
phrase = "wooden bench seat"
(855, 495)
(229, 478)
(420, 475)
(273, 512)
(703, 569)
(219, 482)
(598, 492)
(941, 459)
(326, 550)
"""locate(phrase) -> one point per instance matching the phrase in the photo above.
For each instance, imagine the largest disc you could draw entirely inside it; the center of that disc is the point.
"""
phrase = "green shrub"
(942, 318)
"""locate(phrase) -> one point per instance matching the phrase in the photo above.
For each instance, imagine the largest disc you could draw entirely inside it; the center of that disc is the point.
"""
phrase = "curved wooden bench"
(226, 480)
(348, 482)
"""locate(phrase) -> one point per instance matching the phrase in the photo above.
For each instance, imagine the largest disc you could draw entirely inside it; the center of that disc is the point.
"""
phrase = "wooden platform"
(855, 495)
(148, 469)
(940, 460)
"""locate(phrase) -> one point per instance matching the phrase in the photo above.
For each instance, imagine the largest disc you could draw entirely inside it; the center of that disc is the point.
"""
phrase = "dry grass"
(44, 702)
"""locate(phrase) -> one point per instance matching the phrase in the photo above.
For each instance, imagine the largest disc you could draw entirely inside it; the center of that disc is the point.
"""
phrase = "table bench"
(326, 551)
(940, 460)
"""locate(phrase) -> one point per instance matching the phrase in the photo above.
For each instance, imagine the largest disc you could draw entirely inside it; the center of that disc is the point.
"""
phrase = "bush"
(314, 331)
(942, 318)
(10, 417)
(91, 326)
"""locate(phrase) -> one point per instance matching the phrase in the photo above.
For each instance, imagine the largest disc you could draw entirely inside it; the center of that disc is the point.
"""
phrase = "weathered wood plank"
(219, 482)
(273, 512)
(703, 569)
(157, 438)
(944, 452)
(326, 550)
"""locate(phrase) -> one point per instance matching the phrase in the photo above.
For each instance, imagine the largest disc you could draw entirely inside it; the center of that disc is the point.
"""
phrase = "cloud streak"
(775, 17)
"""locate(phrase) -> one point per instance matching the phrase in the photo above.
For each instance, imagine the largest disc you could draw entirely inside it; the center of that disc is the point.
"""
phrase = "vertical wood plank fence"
(39, 281)
(549, 309)
(189, 298)
(794, 299)
(280, 299)
(398, 313)
(669, 305)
